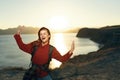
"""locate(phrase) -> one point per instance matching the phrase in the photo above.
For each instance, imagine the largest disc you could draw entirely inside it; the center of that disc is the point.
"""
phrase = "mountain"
(33, 30)
(27, 30)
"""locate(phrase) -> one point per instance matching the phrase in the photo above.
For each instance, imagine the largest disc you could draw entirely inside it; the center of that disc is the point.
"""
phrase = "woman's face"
(44, 36)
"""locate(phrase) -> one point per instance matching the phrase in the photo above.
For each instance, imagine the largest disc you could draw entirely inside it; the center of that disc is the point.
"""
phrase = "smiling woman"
(58, 23)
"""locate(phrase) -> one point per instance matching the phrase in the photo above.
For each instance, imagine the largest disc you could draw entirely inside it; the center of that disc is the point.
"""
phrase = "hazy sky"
(69, 13)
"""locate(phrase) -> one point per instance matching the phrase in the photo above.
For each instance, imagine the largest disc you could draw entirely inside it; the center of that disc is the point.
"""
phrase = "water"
(11, 55)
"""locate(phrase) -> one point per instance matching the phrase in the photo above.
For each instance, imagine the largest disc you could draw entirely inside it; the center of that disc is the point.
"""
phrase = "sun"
(58, 23)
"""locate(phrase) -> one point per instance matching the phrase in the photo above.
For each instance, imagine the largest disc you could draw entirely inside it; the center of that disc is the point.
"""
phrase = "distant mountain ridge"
(30, 30)
(27, 30)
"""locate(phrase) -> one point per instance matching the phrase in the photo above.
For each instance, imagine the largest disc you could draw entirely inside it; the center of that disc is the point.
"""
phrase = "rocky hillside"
(106, 37)
(100, 65)
(101, 35)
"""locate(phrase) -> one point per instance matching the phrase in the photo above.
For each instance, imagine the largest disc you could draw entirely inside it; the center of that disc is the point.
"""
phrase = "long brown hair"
(37, 42)
(43, 28)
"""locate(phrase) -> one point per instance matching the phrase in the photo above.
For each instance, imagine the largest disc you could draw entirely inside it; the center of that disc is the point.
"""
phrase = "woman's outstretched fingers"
(20, 29)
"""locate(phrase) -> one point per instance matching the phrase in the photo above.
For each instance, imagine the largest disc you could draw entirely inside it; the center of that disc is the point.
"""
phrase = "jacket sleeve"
(59, 57)
(25, 47)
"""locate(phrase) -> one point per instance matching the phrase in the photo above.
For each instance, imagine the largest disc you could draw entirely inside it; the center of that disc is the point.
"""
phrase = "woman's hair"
(43, 28)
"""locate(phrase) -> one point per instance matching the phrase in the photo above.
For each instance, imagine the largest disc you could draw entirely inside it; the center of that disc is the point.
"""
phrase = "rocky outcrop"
(104, 35)
(100, 65)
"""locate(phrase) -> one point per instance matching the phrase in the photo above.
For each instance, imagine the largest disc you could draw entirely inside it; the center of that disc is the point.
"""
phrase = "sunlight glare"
(58, 42)
(59, 23)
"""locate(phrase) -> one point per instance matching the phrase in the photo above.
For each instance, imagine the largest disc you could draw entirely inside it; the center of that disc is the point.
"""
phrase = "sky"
(59, 14)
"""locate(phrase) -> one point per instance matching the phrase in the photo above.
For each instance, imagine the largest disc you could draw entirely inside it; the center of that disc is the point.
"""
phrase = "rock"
(104, 35)
(100, 65)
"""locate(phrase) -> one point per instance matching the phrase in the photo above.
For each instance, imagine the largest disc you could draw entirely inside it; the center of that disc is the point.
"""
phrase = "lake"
(12, 56)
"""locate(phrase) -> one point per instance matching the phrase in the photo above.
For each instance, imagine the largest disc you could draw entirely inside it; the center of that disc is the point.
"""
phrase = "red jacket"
(41, 54)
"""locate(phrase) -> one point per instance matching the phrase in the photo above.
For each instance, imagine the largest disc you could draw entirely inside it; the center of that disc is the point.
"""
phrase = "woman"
(41, 54)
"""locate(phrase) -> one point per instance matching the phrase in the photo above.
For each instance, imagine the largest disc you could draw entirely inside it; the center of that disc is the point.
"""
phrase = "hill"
(105, 36)
(99, 65)
(100, 35)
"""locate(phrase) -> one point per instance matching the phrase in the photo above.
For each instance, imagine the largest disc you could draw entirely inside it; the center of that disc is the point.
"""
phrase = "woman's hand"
(72, 47)
(20, 28)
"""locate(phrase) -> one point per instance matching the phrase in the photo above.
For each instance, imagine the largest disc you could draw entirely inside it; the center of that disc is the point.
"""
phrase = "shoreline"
(11, 73)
